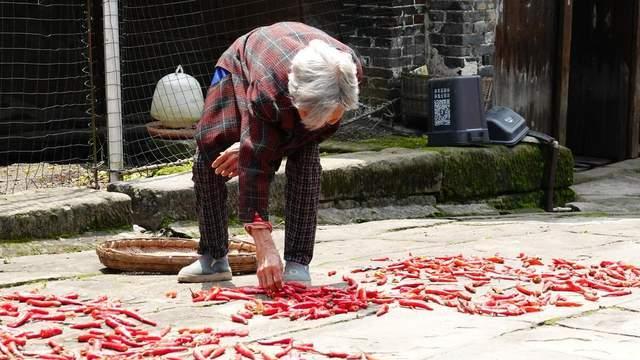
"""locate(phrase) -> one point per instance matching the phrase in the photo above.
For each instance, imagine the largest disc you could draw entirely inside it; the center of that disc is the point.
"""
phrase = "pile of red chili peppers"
(494, 286)
(107, 330)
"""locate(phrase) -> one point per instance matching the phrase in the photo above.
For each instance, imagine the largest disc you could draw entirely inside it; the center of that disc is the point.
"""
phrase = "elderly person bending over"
(277, 91)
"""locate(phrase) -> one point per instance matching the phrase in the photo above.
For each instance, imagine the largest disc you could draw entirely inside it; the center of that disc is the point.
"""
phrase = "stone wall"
(391, 36)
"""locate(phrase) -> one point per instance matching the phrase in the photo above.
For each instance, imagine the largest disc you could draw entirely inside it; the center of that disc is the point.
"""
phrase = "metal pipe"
(113, 88)
(551, 166)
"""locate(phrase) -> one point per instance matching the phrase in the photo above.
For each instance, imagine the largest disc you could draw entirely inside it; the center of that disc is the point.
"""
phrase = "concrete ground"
(608, 229)
(608, 329)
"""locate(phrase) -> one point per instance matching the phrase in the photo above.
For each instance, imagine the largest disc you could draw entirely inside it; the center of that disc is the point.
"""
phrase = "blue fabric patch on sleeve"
(218, 75)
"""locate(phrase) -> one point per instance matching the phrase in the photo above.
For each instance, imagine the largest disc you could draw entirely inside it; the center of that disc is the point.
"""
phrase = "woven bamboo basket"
(168, 255)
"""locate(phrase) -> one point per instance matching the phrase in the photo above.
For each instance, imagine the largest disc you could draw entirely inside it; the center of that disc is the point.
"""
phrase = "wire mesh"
(157, 37)
(61, 61)
(45, 95)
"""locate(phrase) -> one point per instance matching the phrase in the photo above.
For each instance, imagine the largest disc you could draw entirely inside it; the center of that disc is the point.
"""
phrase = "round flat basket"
(156, 130)
(168, 255)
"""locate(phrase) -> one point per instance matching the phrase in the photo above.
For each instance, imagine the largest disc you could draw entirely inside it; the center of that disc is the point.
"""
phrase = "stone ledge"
(48, 213)
(373, 179)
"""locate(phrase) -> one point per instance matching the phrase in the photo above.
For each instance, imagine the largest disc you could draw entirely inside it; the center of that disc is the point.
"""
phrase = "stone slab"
(392, 175)
(546, 342)
(610, 320)
(608, 171)
(48, 213)
(363, 214)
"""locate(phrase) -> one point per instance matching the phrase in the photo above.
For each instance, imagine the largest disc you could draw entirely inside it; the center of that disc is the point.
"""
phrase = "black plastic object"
(456, 116)
(505, 126)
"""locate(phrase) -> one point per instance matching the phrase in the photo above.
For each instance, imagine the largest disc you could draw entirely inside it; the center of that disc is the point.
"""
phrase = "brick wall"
(461, 36)
(389, 35)
(450, 36)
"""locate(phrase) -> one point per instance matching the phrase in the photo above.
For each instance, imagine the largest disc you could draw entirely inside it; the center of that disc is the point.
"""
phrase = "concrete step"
(47, 213)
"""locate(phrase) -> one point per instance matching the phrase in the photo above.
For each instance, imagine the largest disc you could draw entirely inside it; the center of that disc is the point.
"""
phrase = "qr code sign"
(442, 112)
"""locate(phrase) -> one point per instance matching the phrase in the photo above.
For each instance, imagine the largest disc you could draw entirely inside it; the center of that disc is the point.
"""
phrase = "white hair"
(321, 79)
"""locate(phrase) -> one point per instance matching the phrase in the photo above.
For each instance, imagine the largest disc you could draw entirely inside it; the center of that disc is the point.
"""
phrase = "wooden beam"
(563, 71)
(633, 133)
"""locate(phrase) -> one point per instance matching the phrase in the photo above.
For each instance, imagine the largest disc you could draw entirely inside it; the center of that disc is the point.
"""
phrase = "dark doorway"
(600, 89)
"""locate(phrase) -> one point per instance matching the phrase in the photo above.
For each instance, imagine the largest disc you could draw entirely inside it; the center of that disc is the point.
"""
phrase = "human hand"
(270, 267)
(227, 163)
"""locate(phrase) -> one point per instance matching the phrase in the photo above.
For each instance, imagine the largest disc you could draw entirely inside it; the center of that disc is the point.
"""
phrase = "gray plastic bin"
(457, 116)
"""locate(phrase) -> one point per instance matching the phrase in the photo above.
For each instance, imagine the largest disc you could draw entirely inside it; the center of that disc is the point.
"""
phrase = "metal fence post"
(113, 88)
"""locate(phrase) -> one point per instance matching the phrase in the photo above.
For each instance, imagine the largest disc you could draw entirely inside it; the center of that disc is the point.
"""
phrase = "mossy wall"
(473, 173)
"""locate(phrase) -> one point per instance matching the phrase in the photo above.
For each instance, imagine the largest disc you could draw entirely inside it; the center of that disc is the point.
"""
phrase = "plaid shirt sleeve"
(260, 141)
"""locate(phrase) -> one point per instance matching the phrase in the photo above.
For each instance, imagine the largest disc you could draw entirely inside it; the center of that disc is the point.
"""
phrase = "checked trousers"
(302, 193)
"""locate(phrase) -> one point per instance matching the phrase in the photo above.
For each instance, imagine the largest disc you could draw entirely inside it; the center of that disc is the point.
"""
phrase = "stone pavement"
(613, 189)
(608, 329)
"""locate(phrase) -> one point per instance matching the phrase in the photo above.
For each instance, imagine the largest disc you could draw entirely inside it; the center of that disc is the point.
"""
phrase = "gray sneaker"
(206, 269)
(296, 272)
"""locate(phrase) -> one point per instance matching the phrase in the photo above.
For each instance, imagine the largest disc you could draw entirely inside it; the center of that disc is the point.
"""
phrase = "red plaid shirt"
(252, 105)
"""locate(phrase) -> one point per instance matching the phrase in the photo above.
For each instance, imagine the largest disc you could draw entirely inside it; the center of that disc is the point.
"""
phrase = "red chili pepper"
(198, 355)
(470, 288)
(88, 337)
(567, 304)
(164, 350)
(495, 259)
(24, 297)
(382, 310)
(115, 346)
(284, 341)
(58, 317)
(266, 356)
(66, 301)
(414, 304)
(285, 351)
(39, 311)
(244, 351)
(87, 325)
(21, 320)
(270, 311)
(442, 279)
(480, 283)
(526, 291)
(135, 316)
(334, 354)
(43, 303)
(463, 296)
(217, 352)
(123, 339)
(245, 314)
(8, 306)
(590, 297)
(239, 319)
(361, 294)
(233, 332)
(331, 273)
(305, 305)
(618, 293)
(235, 295)
(385, 258)
(529, 309)
(50, 332)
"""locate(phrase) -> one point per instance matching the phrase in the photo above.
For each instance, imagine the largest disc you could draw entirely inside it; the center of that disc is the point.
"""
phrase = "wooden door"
(527, 45)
